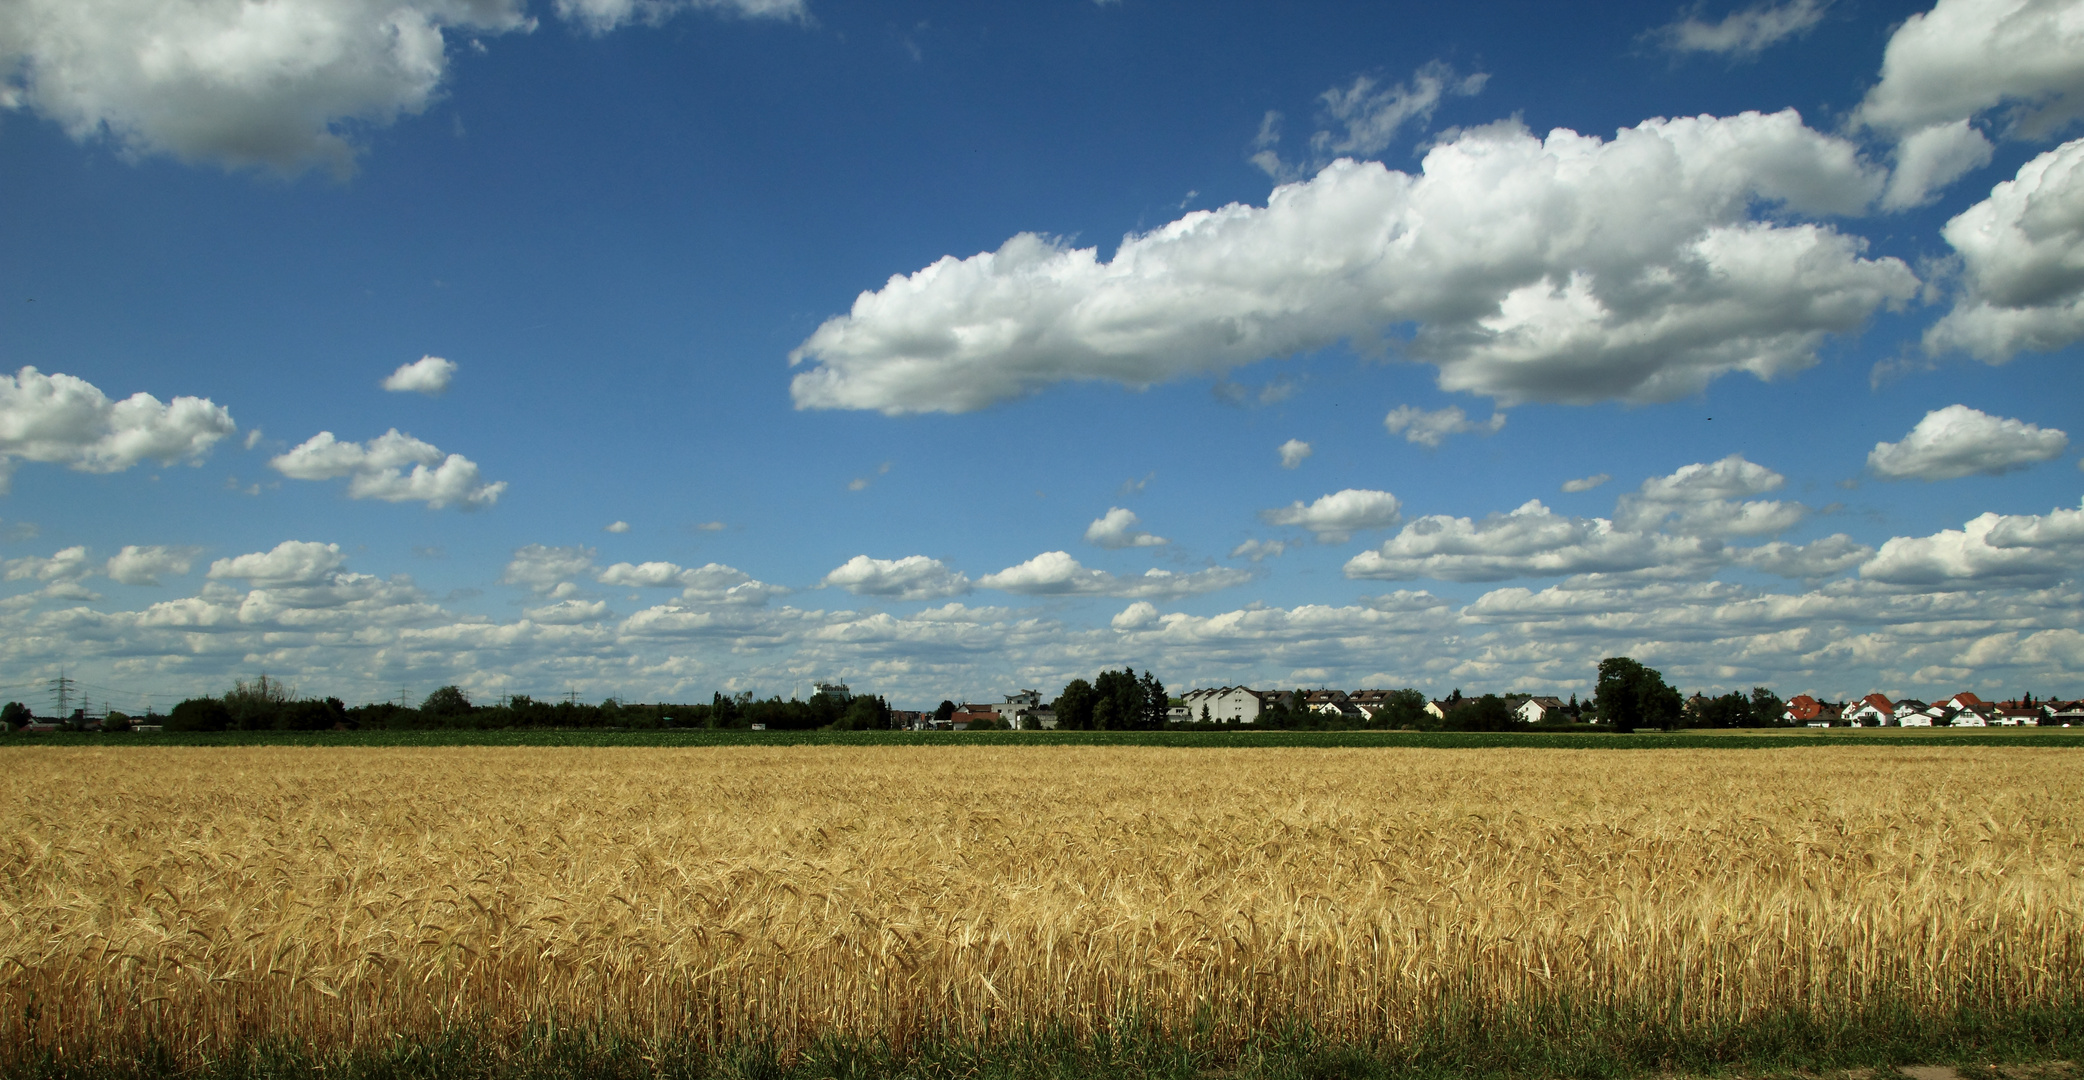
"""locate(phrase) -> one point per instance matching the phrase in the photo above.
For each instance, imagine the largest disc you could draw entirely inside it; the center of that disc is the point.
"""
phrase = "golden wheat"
(341, 896)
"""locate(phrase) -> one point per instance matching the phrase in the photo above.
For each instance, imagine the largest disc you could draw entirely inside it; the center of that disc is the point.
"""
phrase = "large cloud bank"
(1568, 268)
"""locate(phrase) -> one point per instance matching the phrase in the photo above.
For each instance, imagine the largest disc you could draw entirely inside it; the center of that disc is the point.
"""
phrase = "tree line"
(1629, 695)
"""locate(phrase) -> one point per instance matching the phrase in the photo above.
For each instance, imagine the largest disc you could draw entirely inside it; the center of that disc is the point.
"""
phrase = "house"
(2065, 713)
(1437, 709)
(1964, 700)
(2013, 714)
(1538, 710)
(1874, 710)
(1369, 702)
(1829, 714)
(1977, 715)
(1910, 712)
(1225, 704)
(1801, 709)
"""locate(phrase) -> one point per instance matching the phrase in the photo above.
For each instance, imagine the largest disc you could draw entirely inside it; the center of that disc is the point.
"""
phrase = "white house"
(1874, 710)
(1537, 709)
(1223, 704)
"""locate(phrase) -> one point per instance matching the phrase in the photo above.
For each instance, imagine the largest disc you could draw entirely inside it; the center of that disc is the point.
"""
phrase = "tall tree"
(1074, 707)
(1632, 696)
(1156, 704)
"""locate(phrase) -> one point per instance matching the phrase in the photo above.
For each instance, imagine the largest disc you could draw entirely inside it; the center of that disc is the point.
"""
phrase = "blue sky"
(950, 349)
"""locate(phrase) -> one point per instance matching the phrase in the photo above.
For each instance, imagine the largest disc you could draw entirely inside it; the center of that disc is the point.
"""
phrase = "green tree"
(945, 710)
(446, 703)
(1074, 707)
(1631, 696)
(15, 715)
(1156, 704)
(1487, 713)
(199, 714)
(258, 705)
(1404, 708)
(1766, 707)
(1120, 705)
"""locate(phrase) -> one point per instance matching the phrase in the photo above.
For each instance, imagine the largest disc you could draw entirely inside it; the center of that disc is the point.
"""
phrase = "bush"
(199, 714)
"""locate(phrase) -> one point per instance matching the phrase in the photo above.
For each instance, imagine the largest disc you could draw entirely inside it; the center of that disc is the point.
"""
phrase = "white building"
(1537, 709)
(1223, 704)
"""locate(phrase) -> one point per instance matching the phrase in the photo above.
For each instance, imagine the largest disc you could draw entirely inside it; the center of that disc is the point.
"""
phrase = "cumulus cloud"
(1256, 550)
(376, 470)
(1417, 425)
(281, 85)
(1832, 555)
(1532, 541)
(1966, 57)
(713, 583)
(1931, 158)
(601, 16)
(1993, 549)
(69, 564)
(1117, 529)
(914, 577)
(2022, 258)
(292, 562)
(428, 375)
(1293, 452)
(1336, 517)
(1710, 499)
(1959, 441)
(1569, 269)
(616, 527)
(1745, 33)
(136, 565)
(1585, 483)
(1056, 573)
(569, 612)
(65, 420)
(545, 570)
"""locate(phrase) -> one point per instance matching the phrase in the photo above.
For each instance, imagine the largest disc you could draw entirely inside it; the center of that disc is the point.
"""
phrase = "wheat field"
(341, 897)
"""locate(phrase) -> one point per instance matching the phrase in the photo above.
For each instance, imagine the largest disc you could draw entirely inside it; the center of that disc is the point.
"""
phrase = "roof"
(1879, 702)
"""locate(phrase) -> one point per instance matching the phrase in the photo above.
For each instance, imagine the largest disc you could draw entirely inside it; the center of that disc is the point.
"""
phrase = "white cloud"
(542, 569)
(279, 84)
(1959, 441)
(376, 470)
(1056, 573)
(2022, 256)
(65, 420)
(1585, 483)
(1136, 616)
(1293, 452)
(1830, 556)
(1367, 115)
(136, 565)
(1532, 541)
(69, 564)
(292, 562)
(1707, 500)
(1336, 517)
(1966, 57)
(1117, 529)
(428, 375)
(1744, 33)
(601, 16)
(616, 527)
(1931, 158)
(1432, 428)
(569, 612)
(1570, 268)
(1256, 550)
(914, 577)
(1993, 549)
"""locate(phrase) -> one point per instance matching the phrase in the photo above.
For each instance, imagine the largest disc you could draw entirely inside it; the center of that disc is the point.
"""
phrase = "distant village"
(1239, 705)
